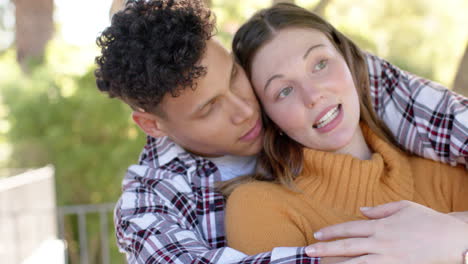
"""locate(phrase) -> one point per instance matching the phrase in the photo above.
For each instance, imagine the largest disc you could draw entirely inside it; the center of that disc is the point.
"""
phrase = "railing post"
(82, 211)
(83, 237)
(104, 236)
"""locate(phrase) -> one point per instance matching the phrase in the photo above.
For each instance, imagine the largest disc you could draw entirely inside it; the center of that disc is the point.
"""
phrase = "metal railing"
(30, 222)
(81, 211)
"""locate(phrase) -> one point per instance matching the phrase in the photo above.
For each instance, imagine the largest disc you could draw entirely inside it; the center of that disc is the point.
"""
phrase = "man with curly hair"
(204, 126)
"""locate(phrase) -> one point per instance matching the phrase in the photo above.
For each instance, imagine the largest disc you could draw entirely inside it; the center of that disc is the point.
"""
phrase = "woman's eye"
(284, 92)
(321, 65)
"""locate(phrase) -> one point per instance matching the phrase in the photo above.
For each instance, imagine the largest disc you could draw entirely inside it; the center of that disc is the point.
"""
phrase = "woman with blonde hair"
(326, 152)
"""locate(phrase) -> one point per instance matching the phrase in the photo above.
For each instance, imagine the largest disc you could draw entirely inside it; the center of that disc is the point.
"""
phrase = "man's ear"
(149, 123)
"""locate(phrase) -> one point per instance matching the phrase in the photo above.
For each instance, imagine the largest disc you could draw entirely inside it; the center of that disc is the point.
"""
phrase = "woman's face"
(307, 89)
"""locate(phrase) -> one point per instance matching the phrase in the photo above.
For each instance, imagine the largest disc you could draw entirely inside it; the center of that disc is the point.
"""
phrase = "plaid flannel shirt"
(170, 213)
(426, 118)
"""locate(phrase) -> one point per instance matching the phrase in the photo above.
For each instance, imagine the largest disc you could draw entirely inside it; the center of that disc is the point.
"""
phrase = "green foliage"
(424, 37)
(56, 115)
(231, 14)
(62, 119)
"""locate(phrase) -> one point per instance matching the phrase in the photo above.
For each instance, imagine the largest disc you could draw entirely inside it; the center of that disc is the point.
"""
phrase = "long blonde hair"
(282, 158)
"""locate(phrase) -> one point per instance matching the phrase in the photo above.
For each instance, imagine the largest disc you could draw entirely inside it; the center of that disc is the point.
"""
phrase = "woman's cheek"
(275, 113)
(285, 120)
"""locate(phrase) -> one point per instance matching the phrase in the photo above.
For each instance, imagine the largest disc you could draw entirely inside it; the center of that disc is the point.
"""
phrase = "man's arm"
(426, 118)
(156, 224)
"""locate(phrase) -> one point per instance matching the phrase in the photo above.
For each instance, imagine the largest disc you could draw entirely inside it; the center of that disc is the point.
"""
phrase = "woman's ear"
(149, 123)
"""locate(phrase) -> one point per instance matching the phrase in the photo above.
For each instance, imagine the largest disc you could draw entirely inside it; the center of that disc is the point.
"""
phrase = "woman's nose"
(311, 95)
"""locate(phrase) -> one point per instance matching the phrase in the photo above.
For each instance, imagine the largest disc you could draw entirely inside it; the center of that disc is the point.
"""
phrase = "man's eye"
(321, 65)
(284, 92)
(208, 108)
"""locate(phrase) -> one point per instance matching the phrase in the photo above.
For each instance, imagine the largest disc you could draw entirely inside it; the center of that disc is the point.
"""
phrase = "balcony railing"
(80, 212)
(34, 230)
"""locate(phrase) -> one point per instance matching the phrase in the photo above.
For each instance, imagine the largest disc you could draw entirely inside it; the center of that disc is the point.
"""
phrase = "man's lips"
(253, 132)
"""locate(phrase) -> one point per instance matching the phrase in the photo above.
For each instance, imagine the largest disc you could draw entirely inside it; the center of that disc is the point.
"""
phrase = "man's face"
(221, 115)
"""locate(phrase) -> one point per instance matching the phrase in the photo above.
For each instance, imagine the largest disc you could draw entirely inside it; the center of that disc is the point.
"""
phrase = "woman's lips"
(332, 120)
(326, 111)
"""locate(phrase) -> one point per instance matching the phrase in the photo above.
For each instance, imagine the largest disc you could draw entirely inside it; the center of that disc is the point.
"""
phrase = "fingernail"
(310, 250)
(318, 235)
(365, 208)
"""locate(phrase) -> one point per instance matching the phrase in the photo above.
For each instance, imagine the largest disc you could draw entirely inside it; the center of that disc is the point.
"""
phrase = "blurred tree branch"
(460, 84)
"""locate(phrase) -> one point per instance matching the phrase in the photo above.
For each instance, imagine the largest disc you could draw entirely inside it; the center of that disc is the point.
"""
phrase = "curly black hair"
(152, 48)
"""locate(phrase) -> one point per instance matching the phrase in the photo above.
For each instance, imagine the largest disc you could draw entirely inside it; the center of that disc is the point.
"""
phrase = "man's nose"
(242, 109)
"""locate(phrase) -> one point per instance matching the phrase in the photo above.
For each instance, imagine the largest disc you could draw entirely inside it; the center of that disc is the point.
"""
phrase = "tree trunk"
(282, 1)
(460, 84)
(34, 28)
(320, 7)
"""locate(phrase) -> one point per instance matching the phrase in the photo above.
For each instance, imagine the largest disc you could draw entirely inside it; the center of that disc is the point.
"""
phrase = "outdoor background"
(52, 113)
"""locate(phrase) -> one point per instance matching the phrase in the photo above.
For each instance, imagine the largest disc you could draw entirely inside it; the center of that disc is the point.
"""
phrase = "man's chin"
(253, 149)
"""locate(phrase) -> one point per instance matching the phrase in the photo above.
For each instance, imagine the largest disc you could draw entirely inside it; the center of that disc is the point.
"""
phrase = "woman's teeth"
(328, 117)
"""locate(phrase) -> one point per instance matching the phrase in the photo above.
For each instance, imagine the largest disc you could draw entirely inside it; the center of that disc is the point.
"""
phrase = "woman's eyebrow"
(271, 79)
(303, 57)
(312, 48)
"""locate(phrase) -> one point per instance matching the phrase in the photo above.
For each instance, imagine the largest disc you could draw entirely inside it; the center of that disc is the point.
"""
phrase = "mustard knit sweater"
(263, 215)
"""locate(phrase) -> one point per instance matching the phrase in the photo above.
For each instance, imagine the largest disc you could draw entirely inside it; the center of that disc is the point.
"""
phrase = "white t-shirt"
(234, 166)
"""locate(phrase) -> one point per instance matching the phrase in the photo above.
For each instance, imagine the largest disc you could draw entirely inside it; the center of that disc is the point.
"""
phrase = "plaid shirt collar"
(159, 152)
(163, 153)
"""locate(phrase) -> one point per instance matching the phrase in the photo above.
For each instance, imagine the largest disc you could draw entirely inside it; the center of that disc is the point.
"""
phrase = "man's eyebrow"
(303, 57)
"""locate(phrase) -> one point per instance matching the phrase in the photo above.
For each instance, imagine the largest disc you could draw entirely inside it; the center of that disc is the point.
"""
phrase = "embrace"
(297, 147)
